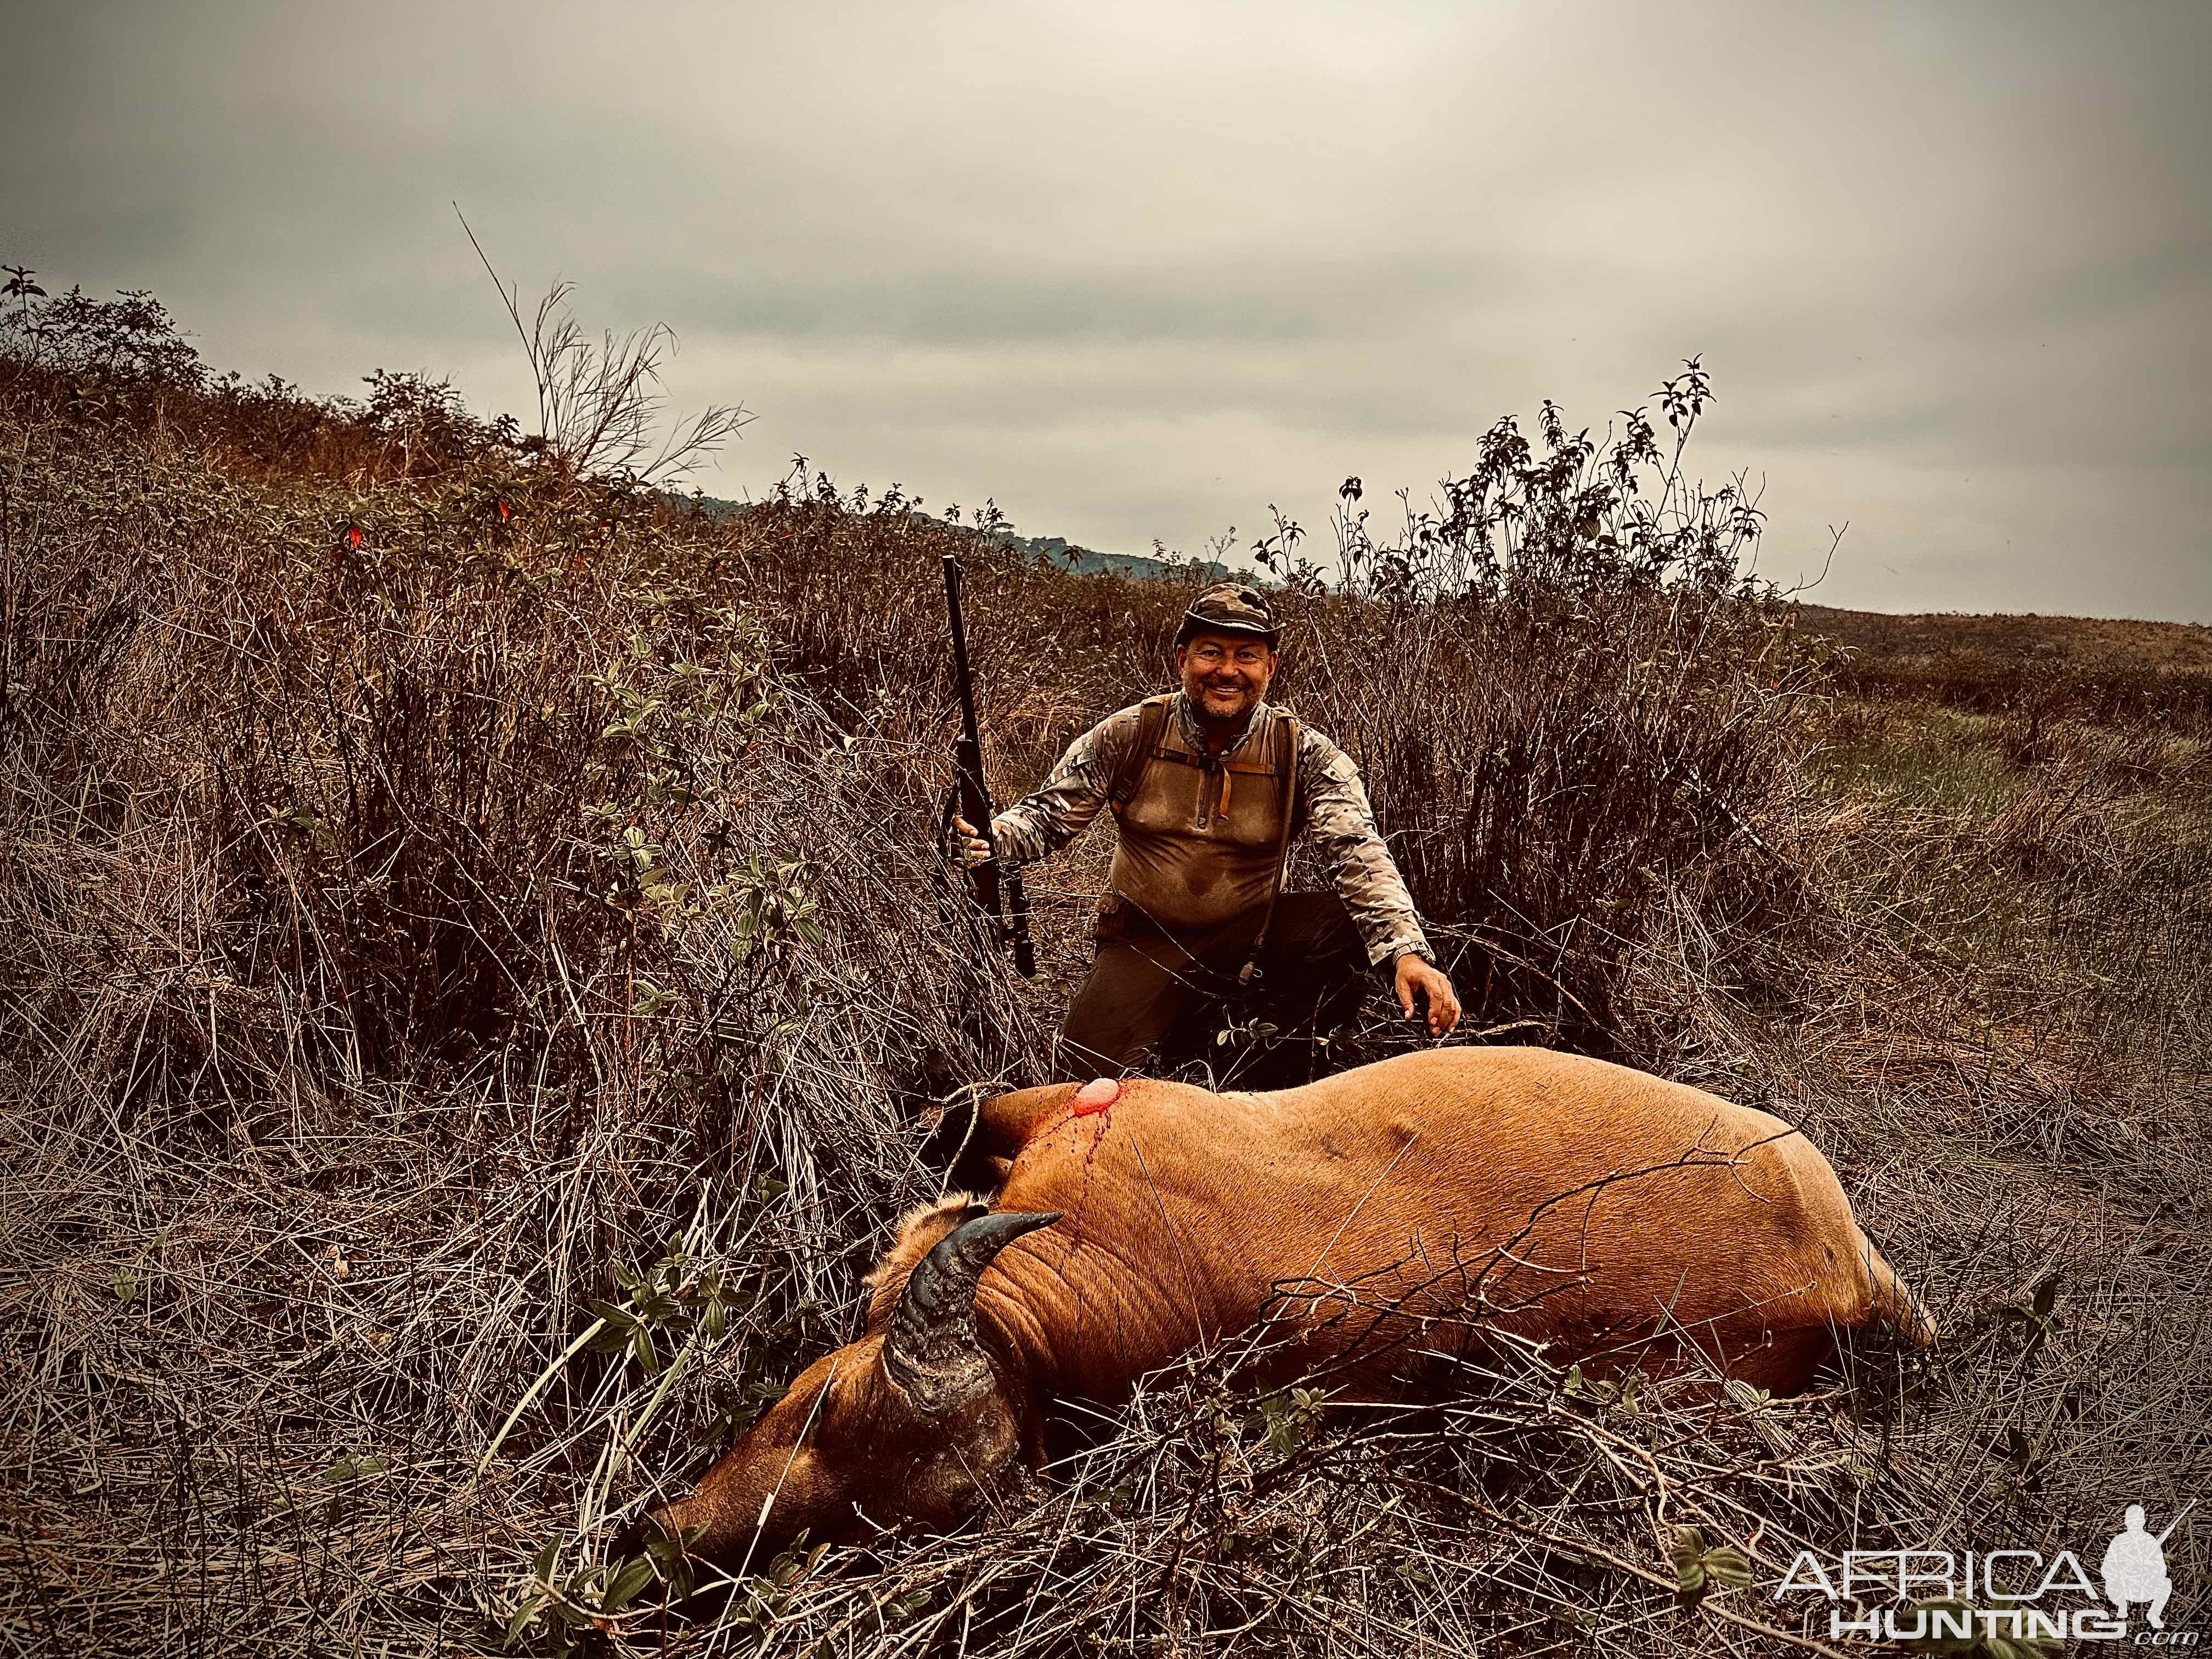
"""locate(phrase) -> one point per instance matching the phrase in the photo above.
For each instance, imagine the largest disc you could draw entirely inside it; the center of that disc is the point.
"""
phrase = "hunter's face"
(1224, 674)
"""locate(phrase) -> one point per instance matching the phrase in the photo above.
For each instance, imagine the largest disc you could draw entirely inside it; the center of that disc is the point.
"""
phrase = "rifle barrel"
(1013, 914)
(2177, 1521)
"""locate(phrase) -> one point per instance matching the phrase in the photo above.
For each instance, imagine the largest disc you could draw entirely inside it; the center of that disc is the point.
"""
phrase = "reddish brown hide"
(1437, 1200)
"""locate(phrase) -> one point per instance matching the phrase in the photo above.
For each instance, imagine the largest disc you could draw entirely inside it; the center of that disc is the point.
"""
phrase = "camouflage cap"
(1230, 608)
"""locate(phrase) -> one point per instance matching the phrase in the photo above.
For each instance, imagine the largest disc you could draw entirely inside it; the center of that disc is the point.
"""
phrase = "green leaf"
(347, 1469)
(1727, 1566)
(122, 1284)
(1688, 1553)
(629, 1579)
(522, 1615)
(898, 1611)
(1745, 1394)
(619, 1325)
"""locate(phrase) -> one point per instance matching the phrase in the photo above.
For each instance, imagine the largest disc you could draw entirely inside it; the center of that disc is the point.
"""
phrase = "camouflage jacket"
(1330, 798)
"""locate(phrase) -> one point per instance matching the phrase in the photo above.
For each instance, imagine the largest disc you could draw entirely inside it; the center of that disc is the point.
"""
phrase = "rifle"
(1010, 914)
(2168, 1532)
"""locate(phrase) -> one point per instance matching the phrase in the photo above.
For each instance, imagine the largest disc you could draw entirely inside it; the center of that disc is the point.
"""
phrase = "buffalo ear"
(931, 1349)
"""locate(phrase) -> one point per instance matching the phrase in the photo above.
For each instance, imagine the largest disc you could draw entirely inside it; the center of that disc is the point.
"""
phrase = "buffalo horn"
(931, 1348)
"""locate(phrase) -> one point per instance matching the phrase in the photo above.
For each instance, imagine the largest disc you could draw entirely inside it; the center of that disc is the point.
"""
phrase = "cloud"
(1138, 271)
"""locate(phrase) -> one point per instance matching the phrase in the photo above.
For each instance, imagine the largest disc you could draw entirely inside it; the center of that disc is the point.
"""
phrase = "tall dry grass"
(477, 977)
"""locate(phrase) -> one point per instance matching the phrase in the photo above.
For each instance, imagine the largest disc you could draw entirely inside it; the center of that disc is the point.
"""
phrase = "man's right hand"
(967, 848)
(1419, 977)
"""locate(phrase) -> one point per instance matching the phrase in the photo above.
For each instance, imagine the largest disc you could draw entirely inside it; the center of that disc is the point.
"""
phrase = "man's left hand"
(1416, 973)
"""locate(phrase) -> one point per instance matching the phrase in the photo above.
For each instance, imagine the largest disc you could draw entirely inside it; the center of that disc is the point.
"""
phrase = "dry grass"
(475, 991)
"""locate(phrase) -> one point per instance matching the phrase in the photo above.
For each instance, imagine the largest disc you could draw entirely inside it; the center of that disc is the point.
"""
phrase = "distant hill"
(2003, 662)
(2079, 641)
(1063, 555)
(1056, 552)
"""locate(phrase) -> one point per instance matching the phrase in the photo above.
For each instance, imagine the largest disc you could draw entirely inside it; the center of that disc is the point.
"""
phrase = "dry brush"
(478, 978)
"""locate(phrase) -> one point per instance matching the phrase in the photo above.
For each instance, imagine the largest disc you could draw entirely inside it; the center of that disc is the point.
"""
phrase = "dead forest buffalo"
(1438, 1200)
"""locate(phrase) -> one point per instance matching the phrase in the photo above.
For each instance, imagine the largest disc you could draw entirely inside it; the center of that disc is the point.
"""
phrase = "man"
(1209, 786)
(2133, 1568)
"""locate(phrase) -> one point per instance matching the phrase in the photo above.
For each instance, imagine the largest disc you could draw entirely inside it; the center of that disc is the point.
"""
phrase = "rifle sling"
(1286, 736)
(1152, 725)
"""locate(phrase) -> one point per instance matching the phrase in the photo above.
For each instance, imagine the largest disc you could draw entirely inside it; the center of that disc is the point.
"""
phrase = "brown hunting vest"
(1202, 836)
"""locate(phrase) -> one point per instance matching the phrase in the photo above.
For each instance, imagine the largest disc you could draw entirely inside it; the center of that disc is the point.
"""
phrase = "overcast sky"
(1138, 270)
